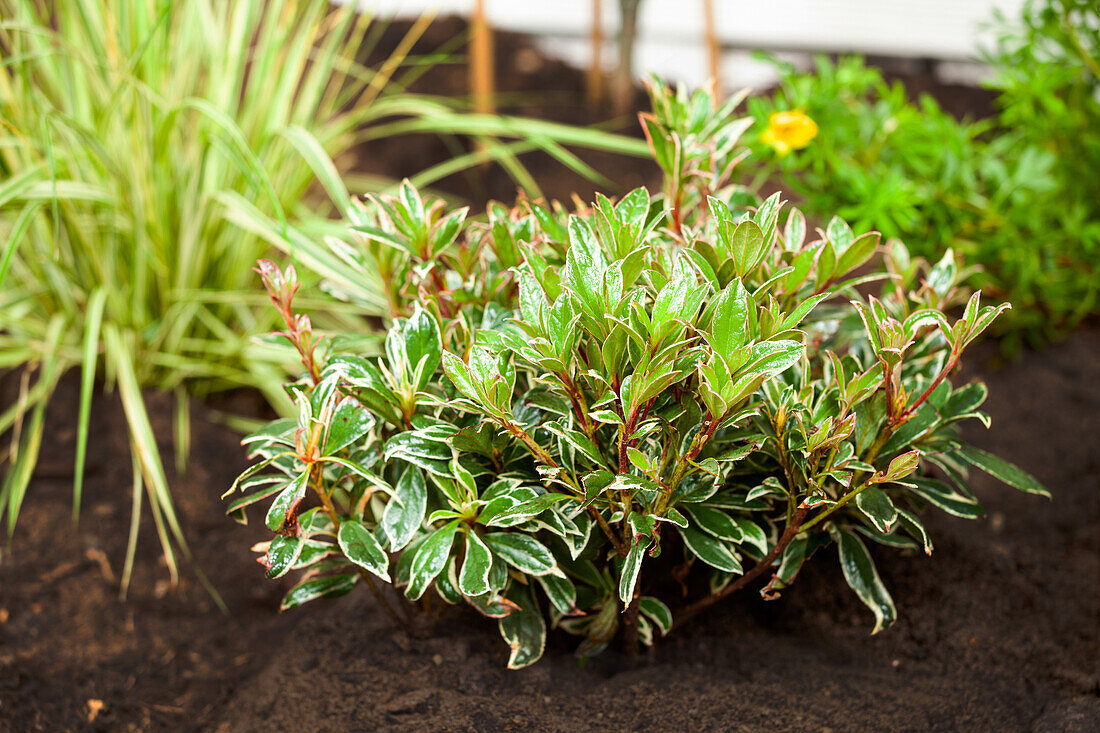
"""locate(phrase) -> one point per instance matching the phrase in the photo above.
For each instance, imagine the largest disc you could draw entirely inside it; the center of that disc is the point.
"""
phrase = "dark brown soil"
(166, 657)
(999, 629)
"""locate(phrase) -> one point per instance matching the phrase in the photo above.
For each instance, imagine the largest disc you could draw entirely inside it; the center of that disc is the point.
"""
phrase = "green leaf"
(942, 276)
(736, 454)
(859, 571)
(579, 441)
(332, 586)
(279, 432)
(286, 502)
(840, 234)
(524, 553)
(715, 522)
(606, 416)
(856, 254)
(912, 525)
(633, 208)
(729, 326)
(404, 512)
(520, 512)
(282, 553)
(89, 357)
(491, 605)
(673, 516)
(446, 583)
(876, 506)
(585, 265)
(596, 483)
(747, 247)
(419, 450)
(370, 386)
(669, 302)
(241, 502)
(474, 578)
(315, 521)
(447, 230)
(900, 467)
(774, 357)
(144, 449)
(792, 319)
(523, 629)
(794, 554)
(314, 552)
(415, 341)
(1002, 470)
(944, 497)
(532, 299)
(641, 525)
(561, 592)
(632, 565)
(560, 322)
(964, 401)
(359, 545)
(465, 485)
(657, 612)
(410, 197)
(661, 146)
(350, 421)
(754, 535)
(916, 426)
(794, 233)
(430, 559)
(711, 551)
(459, 373)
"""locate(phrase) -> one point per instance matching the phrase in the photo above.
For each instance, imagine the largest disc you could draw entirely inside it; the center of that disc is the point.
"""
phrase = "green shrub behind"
(1011, 194)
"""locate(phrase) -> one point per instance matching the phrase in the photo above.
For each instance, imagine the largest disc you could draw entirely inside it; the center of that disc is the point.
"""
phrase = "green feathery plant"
(1016, 195)
(582, 416)
(1046, 71)
(150, 152)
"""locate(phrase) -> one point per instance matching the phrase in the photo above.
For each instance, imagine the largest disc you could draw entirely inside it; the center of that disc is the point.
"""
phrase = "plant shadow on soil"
(997, 630)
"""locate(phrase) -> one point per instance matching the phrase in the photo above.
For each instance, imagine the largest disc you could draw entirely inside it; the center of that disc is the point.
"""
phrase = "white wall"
(671, 30)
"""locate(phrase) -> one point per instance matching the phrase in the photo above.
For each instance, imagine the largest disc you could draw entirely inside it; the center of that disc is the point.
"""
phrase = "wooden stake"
(714, 50)
(481, 60)
(594, 80)
(622, 83)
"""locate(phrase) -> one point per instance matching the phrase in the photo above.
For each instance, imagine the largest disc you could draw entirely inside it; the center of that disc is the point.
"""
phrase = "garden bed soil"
(998, 630)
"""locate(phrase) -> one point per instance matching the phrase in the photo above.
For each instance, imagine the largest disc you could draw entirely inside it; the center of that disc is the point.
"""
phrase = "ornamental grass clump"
(607, 420)
(150, 152)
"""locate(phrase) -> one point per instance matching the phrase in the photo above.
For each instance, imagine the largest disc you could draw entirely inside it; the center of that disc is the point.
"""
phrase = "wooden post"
(622, 89)
(594, 80)
(714, 50)
(481, 60)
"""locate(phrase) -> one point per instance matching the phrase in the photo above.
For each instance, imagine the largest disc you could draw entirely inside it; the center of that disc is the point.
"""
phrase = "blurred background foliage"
(1017, 193)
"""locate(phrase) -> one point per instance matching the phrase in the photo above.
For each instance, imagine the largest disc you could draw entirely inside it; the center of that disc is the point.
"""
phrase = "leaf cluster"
(583, 418)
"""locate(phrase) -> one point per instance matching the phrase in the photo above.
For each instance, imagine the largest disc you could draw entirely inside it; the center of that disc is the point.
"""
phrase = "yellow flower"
(789, 131)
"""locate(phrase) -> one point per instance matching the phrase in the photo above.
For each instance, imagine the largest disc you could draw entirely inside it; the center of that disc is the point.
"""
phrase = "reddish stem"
(928, 392)
(789, 534)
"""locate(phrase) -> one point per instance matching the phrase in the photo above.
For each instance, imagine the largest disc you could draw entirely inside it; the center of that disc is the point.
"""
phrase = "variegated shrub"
(584, 419)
